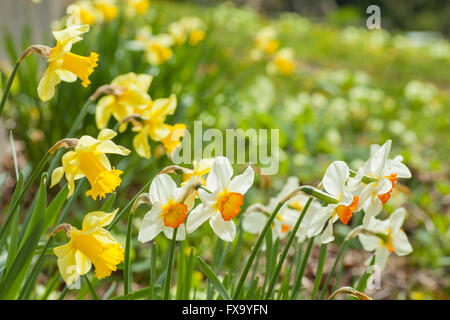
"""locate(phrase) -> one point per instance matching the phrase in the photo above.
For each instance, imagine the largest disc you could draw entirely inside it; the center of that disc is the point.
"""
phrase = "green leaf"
(212, 277)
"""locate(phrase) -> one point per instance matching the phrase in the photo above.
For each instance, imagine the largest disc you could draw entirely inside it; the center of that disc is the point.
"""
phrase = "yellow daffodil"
(283, 61)
(153, 124)
(157, 47)
(92, 245)
(172, 141)
(132, 96)
(108, 8)
(187, 28)
(88, 159)
(137, 7)
(64, 65)
(82, 12)
(266, 42)
(200, 169)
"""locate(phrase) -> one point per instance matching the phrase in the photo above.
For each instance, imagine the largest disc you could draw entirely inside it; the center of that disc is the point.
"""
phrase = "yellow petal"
(103, 111)
(106, 134)
(83, 262)
(46, 86)
(140, 144)
(57, 174)
(98, 219)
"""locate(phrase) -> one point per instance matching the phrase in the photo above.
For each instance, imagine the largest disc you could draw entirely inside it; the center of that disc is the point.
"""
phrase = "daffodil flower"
(88, 159)
(266, 42)
(386, 171)
(157, 48)
(283, 61)
(153, 124)
(386, 237)
(108, 8)
(170, 207)
(172, 141)
(92, 245)
(137, 7)
(335, 183)
(201, 168)
(132, 96)
(223, 200)
(64, 65)
(187, 28)
(82, 12)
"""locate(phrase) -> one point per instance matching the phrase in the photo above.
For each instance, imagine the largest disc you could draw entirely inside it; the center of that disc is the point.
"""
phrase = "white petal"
(327, 235)
(162, 189)
(220, 174)
(402, 247)
(396, 219)
(335, 177)
(254, 222)
(381, 256)
(208, 199)
(369, 243)
(197, 217)
(379, 158)
(151, 225)
(399, 168)
(181, 233)
(242, 182)
(226, 230)
(319, 220)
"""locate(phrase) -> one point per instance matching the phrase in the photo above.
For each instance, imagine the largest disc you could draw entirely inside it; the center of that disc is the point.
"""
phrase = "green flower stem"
(127, 207)
(63, 293)
(342, 249)
(286, 249)
(91, 288)
(127, 279)
(298, 284)
(255, 250)
(168, 279)
(362, 283)
(31, 280)
(14, 205)
(8, 86)
(365, 179)
(319, 272)
(316, 193)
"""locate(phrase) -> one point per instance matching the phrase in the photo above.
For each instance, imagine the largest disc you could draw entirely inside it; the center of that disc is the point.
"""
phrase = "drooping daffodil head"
(92, 245)
(88, 159)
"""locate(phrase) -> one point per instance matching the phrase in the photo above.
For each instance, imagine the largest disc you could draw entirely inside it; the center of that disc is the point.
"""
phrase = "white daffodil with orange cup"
(221, 198)
(170, 207)
(336, 184)
(386, 172)
(385, 237)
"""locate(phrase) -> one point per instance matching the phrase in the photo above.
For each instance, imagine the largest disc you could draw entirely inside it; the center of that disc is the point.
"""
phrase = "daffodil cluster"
(158, 47)
(221, 198)
(345, 193)
(128, 101)
(266, 45)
